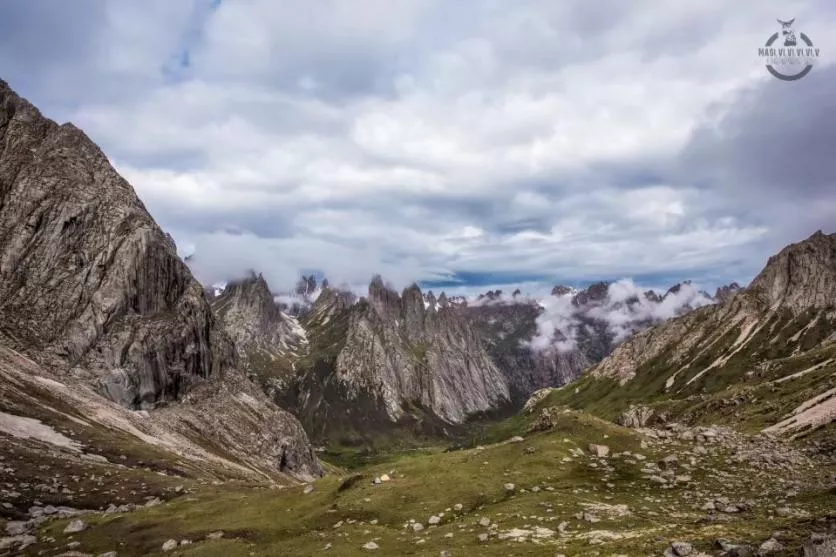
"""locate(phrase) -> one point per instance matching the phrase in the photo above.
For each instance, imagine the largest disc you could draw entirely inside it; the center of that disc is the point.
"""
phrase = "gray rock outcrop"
(89, 284)
(86, 275)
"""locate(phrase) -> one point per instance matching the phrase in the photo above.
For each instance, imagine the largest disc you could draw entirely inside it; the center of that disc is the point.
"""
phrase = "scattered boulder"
(535, 398)
(18, 527)
(308, 489)
(20, 542)
(770, 546)
(75, 526)
(682, 549)
(546, 419)
(170, 545)
(735, 550)
(510, 487)
(516, 439)
(820, 545)
(636, 417)
(600, 451)
(670, 462)
(434, 519)
(370, 545)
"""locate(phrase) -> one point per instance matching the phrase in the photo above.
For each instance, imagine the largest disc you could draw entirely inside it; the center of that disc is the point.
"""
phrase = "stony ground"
(580, 487)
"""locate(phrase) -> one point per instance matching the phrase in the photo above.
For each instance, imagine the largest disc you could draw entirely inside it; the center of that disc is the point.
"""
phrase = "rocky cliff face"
(392, 358)
(89, 284)
(86, 276)
(254, 321)
(801, 276)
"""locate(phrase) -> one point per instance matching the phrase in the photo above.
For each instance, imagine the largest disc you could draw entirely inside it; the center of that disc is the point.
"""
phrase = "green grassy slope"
(554, 480)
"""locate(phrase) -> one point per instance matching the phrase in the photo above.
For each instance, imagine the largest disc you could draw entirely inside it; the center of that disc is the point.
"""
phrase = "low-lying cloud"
(625, 309)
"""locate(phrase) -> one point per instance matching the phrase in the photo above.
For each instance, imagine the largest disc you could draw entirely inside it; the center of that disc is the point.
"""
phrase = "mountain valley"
(142, 413)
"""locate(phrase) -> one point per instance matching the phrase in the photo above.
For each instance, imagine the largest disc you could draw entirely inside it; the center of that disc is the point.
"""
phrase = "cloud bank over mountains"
(623, 306)
(431, 141)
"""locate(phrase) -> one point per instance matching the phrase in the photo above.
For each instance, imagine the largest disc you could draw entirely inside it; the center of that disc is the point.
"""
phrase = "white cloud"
(421, 139)
(624, 309)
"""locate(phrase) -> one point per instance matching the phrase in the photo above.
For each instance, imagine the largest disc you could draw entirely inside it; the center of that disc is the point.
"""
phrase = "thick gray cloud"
(429, 140)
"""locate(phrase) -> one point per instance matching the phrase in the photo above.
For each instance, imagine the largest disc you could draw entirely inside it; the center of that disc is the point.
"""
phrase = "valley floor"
(549, 493)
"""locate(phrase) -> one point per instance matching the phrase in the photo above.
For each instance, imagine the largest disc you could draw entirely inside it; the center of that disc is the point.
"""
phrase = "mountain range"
(125, 383)
(426, 363)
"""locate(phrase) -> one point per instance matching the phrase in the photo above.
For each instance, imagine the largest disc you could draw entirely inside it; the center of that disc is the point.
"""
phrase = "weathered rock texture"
(253, 320)
(89, 282)
(801, 276)
(85, 273)
(390, 359)
(406, 354)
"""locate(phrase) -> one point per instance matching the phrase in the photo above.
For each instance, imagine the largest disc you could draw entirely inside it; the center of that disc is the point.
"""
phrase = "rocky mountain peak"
(306, 285)
(430, 299)
(247, 309)
(725, 292)
(562, 290)
(593, 293)
(800, 276)
(412, 301)
(383, 299)
(652, 296)
(86, 275)
(90, 283)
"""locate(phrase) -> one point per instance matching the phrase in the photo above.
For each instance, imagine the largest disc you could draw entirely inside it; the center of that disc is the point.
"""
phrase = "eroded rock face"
(252, 318)
(398, 349)
(89, 282)
(86, 275)
(763, 334)
(801, 275)
(392, 358)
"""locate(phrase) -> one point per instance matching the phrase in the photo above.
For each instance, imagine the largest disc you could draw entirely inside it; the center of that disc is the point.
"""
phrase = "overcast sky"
(467, 143)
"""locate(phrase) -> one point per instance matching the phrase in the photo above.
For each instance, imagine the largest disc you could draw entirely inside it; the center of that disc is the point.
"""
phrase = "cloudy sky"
(460, 144)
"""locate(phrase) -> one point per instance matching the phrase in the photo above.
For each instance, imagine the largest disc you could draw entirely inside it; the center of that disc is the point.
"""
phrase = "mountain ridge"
(764, 356)
(96, 304)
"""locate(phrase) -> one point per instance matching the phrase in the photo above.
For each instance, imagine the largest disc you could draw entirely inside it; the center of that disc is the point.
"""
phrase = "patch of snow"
(818, 410)
(297, 329)
(803, 372)
(747, 333)
(218, 288)
(28, 428)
